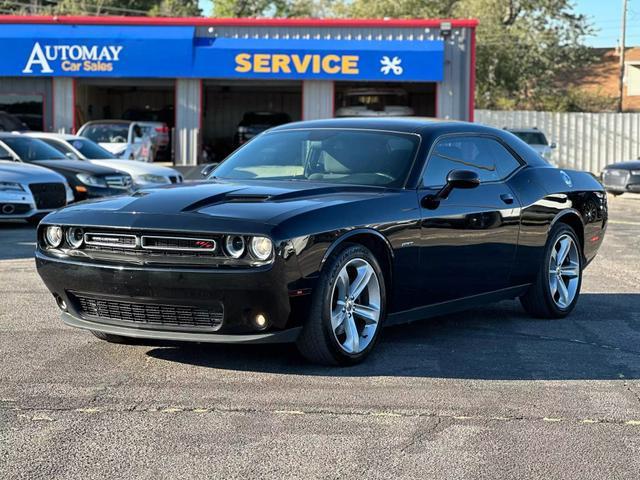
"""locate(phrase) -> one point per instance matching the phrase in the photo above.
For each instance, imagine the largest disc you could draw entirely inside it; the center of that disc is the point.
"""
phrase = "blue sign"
(320, 59)
(169, 52)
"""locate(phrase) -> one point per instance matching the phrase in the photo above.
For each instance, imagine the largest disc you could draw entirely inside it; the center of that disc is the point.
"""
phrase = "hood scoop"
(228, 197)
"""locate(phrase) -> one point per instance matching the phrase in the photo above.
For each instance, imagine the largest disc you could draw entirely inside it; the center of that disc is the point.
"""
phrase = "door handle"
(507, 198)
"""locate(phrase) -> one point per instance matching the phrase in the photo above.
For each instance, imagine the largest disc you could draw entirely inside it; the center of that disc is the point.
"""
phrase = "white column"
(317, 99)
(63, 104)
(188, 120)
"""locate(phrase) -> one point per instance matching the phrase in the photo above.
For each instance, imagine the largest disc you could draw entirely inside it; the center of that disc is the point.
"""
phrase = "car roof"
(419, 125)
(57, 136)
(524, 130)
(93, 122)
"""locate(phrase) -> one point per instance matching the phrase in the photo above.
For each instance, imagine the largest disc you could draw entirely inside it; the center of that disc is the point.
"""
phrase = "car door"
(469, 239)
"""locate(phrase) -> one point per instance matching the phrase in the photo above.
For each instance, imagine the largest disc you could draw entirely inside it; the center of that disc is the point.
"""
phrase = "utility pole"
(623, 39)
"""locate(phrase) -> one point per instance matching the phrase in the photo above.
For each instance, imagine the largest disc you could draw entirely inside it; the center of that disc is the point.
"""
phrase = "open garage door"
(377, 99)
(233, 111)
(150, 100)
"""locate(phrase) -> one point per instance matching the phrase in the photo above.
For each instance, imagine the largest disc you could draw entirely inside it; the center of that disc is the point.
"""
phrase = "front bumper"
(129, 290)
(282, 336)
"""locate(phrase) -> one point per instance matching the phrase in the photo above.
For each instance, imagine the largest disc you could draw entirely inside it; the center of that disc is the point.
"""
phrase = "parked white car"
(375, 102)
(29, 192)
(125, 139)
(144, 175)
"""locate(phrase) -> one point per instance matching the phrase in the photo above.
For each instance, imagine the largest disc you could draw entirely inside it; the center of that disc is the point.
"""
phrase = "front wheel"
(557, 287)
(347, 309)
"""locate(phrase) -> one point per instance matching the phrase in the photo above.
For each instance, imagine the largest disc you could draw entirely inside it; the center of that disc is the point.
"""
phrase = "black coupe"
(321, 232)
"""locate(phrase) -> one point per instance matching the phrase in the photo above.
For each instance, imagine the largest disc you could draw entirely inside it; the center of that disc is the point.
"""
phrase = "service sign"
(320, 59)
(175, 52)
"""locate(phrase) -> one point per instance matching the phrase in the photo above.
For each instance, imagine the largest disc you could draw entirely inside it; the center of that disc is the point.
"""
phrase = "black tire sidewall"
(333, 267)
(557, 231)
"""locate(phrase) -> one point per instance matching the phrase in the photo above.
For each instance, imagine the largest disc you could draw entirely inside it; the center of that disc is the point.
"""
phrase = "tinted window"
(532, 138)
(107, 133)
(485, 156)
(327, 155)
(30, 149)
(60, 146)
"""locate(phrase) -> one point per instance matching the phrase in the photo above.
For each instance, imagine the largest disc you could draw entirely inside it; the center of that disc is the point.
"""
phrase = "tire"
(319, 341)
(615, 193)
(541, 301)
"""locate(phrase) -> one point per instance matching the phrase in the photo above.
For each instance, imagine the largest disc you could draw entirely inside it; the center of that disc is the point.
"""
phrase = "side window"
(4, 154)
(485, 156)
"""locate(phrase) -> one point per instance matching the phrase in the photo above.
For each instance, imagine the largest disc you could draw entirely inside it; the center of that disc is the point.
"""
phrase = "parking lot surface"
(488, 393)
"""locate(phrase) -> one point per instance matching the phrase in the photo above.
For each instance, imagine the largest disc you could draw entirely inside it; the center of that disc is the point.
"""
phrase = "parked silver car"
(537, 140)
(125, 139)
(375, 102)
(28, 192)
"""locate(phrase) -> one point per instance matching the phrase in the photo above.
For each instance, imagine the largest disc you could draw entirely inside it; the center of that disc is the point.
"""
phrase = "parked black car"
(254, 123)
(320, 232)
(622, 177)
(85, 179)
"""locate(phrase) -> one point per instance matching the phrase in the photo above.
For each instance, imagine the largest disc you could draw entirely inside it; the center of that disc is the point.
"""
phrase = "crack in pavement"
(9, 406)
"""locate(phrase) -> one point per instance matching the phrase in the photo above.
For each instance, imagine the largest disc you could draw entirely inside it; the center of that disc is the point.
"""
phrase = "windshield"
(324, 155)
(91, 150)
(32, 149)
(532, 138)
(107, 133)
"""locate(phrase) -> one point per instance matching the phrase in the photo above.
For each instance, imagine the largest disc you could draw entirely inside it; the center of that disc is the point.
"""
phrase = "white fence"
(586, 141)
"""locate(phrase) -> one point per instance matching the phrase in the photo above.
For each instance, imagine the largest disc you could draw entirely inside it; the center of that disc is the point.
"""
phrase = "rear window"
(107, 133)
(532, 138)
(32, 149)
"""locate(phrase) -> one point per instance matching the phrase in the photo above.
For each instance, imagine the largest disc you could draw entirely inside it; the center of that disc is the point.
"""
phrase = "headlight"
(148, 178)
(91, 180)
(53, 236)
(635, 172)
(75, 237)
(234, 245)
(11, 187)
(261, 247)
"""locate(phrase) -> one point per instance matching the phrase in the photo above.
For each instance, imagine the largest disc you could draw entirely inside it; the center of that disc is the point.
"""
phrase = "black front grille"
(148, 314)
(49, 195)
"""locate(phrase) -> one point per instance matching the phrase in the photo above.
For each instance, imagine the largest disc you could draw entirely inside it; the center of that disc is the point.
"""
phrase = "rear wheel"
(557, 287)
(347, 309)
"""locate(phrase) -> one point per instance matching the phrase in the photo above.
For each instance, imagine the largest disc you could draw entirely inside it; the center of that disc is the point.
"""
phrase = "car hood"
(136, 168)
(221, 206)
(75, 166)
(26, 173)
(631, 165)
(114, 148)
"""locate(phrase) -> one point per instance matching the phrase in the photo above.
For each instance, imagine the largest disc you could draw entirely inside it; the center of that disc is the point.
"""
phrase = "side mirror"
(553, 145)
(207, 169)
(463, 179)
(71, 156)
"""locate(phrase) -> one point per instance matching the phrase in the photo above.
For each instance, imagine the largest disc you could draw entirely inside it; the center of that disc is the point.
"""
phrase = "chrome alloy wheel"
(355, 306)
(564, 271)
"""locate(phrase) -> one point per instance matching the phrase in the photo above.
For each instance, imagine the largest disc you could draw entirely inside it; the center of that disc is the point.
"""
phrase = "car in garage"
(321, 232)
(29, 192)
(125, 139)
(85, 179)
(375, 102)
(254, 123)
(622, 177)
(144, 175)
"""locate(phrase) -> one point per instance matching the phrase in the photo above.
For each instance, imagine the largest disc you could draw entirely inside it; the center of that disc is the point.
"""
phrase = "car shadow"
(600, 340)
(18, 240)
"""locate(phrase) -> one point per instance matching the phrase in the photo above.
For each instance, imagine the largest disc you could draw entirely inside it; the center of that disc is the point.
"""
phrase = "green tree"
(273, 8)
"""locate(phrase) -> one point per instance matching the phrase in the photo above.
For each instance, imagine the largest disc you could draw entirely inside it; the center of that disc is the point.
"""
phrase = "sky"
(605, 15)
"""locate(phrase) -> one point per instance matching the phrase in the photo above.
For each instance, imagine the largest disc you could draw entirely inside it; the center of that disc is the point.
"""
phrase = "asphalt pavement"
(484, 394)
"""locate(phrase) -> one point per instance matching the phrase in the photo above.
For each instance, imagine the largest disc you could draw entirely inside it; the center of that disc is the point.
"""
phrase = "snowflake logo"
(391, 65)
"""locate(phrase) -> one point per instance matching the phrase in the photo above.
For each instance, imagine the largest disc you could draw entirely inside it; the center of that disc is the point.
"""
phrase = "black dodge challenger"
(322, 232)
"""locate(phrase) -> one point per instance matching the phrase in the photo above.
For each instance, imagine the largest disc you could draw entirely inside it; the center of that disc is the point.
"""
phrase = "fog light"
(75, 237)
(260, 321)
(62, 305)
(53, 236)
